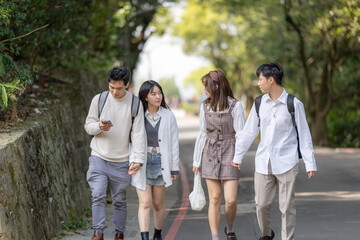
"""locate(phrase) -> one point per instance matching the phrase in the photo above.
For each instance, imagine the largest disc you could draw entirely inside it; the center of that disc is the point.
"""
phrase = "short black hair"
(271, 70)
(119, 74)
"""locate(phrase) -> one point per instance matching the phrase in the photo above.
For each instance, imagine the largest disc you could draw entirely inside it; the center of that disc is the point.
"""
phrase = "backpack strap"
(257, 107)
(291, 109)
(135, 103)
(102, 99)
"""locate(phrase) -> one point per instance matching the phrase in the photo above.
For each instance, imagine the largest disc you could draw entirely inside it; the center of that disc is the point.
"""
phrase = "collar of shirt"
(281, 99)
(156, 118)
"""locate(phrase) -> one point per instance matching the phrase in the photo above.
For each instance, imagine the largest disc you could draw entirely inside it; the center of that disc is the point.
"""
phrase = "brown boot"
(98, 235)
(119, 236)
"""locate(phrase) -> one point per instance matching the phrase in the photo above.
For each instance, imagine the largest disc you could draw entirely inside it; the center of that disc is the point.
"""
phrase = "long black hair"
(146, 88)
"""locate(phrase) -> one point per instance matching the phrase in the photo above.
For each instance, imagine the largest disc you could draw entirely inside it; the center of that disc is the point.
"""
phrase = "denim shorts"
(153, 169)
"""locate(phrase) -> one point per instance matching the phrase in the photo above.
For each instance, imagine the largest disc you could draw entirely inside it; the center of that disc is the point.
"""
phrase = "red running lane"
(171, 234)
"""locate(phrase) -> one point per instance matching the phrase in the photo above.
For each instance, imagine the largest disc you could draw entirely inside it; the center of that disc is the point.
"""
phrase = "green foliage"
(234, 37)
(194, 78)
(344, 124)
(328, 35)
(317, 42)
(75, 33)
(13, 80)
(162, 22)
(190, 107)
(39, 36)
(169, 87)
(75, 222)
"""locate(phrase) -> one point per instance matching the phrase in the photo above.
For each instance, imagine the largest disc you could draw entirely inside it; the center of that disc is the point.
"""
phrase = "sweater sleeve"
(138, 137)
(92, 121)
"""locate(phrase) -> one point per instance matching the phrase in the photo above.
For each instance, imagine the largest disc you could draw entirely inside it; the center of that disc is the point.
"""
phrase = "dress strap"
(205, 108)
(233, 104)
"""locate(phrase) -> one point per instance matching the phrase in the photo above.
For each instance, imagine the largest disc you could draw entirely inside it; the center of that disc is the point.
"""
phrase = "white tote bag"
(197, 196)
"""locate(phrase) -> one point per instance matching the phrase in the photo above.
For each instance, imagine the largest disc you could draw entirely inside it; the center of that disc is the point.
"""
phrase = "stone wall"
(43, 166)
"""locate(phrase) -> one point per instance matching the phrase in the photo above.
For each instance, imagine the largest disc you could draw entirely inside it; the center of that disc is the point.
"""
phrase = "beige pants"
(265, 190)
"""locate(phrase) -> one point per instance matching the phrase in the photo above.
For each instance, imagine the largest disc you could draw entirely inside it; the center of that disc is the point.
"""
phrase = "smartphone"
(106, 121)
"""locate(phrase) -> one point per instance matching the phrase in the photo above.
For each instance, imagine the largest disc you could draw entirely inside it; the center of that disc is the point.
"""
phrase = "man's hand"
(105, 127)
(174, 177)
(311, 174)
(196, 170)
(236, 165)
(134, 168)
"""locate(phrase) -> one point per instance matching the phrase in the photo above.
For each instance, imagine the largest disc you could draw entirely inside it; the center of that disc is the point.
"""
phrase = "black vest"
(152, 133)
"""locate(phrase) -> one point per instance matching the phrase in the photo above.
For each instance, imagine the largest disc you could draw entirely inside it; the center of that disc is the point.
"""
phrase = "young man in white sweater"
(109, 160)
(277, 156)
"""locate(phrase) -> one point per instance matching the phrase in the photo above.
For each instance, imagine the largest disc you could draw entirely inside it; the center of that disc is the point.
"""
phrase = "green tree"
(169, 87)
(234, 37)
(40, 37)
(317, 42)
(194, 78)
(328, 39)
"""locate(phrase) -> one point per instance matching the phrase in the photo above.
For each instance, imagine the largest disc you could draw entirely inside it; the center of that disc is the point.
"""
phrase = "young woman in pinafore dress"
(221, 117)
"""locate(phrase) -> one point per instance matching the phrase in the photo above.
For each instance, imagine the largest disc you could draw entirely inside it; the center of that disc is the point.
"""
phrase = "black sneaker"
(267, 237)
(230, 235)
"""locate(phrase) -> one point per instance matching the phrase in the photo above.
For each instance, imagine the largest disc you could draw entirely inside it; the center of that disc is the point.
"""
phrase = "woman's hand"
(196, 170)
(134, 168)
(236, 165)
(174, 177)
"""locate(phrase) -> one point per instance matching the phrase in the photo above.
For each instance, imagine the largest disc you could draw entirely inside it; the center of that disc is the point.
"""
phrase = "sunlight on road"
(188, 125)
(329, 196)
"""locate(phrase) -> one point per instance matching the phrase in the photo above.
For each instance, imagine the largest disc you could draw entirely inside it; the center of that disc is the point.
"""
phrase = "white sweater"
(114, 145)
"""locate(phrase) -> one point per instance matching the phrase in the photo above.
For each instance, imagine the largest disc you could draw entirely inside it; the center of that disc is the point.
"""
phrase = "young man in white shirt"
(277, 158)
(109, 160)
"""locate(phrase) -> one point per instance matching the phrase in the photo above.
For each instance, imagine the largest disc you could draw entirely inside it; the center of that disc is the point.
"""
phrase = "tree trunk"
(319, 130)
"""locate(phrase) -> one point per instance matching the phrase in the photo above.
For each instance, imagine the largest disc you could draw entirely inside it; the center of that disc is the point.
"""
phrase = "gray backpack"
(291, 109)
(134, 105)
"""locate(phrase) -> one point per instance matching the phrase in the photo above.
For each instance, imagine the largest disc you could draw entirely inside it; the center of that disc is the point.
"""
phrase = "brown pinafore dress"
(219, 146)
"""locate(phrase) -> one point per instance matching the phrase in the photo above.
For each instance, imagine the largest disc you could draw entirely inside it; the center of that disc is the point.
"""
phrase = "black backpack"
(291, 109)
(134, 105)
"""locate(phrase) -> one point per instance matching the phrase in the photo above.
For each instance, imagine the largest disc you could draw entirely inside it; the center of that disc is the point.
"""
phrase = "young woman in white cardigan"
(162, 165)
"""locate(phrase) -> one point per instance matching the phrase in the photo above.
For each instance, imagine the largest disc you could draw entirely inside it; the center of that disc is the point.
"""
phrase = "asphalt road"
(328, 205)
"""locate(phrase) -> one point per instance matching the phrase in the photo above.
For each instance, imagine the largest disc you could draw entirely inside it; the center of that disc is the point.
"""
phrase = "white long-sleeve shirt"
(238, 124)
(278, 136)
(114, 145)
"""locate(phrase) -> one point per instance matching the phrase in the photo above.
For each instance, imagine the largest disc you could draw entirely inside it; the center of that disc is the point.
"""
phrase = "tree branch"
(290, 20)
(27, 34)
(346, 95)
